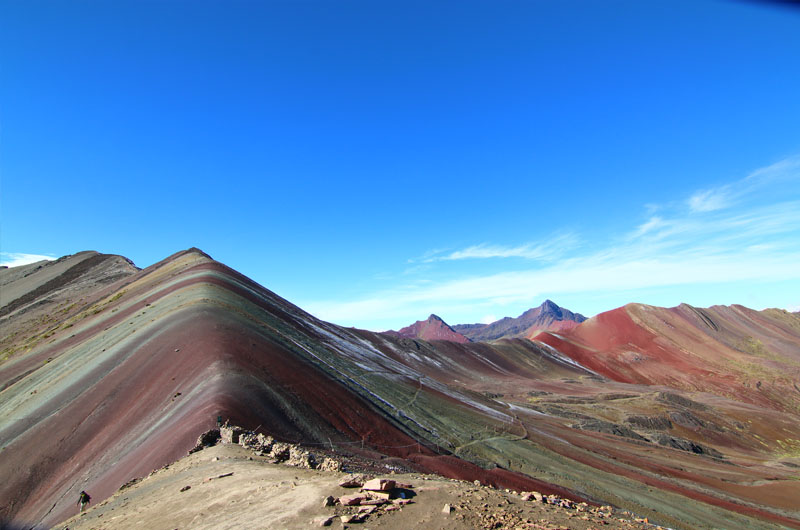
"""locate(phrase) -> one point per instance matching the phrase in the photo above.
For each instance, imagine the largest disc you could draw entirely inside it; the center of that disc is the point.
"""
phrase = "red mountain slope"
(735, 352)
(434, 328)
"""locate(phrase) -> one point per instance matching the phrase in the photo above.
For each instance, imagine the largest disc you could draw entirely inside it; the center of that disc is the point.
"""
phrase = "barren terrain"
(685, 416)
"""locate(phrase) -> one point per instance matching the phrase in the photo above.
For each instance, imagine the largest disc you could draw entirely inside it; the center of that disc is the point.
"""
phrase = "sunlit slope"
(37, 300)
(131, 386)
(750, 356)
(127, 384)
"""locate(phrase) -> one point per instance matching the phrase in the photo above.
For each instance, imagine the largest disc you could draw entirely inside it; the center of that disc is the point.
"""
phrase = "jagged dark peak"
(549, 304)
(436, 318)
(550, 308)
(548, 315)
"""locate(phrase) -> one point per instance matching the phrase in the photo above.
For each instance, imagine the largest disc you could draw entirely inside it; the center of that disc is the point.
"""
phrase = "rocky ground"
(230, 486)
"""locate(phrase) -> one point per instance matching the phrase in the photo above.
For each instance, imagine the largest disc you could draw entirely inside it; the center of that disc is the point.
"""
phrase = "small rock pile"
(261, 445)
(601, 511)
(376, 497)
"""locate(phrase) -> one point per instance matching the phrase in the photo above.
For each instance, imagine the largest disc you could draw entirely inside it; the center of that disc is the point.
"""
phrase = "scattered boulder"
(229, 434)
(353, 500)
(207, 439)
(280, 451)
(373, 500)
(299, 457)
(328, 501)
(256, 442)
(379, 484)
(355, 481)
(330, 464)
(447, 509)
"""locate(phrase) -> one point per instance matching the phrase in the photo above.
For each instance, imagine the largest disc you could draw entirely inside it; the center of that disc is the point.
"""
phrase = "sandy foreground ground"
(227, 487)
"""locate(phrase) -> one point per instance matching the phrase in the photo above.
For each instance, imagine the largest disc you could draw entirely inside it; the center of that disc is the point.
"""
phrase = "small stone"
(323, 521)
(185, 488)
(379, 484)
(477, 482)
(385, 495)
(447, 509)
(328, 501)
(356, 481)
(538, 496)
(330, 464)
(375, 501)
(352, 500)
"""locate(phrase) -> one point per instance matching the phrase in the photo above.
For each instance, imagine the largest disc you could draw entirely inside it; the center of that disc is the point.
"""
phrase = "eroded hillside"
(621, 410)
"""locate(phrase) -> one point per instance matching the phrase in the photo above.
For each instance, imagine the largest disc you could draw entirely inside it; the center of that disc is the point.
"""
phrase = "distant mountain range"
(547, 317)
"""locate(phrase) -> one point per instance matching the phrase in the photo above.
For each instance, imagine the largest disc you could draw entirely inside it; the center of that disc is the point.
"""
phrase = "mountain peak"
(434, 328)
(548, 316)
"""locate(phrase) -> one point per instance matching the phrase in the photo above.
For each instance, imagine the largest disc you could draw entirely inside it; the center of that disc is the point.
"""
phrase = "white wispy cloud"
(649, 226)
(547, 250)
(15, 259)
(706, 243)
(727, 195)
(710, 200)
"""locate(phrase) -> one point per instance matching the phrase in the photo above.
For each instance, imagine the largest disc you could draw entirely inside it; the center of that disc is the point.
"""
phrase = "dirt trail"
(229, 487)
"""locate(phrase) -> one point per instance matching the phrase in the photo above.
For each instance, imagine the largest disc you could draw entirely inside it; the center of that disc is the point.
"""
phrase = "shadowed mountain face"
(547, 316)
(686, 416)
(432, 329)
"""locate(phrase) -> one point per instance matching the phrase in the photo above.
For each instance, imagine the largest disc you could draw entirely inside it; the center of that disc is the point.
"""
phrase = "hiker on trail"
(84, 499)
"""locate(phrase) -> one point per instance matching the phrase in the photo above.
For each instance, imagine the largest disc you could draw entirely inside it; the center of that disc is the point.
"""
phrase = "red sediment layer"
(453, 467)
(661, 484)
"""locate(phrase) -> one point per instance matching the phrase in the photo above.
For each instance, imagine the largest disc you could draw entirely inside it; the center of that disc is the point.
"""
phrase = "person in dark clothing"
(84, 499)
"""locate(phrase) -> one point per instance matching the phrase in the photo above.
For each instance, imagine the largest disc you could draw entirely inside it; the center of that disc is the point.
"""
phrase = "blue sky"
(375, 162)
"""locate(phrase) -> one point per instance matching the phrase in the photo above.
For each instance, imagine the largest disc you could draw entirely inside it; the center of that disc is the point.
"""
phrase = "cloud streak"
(728, 195)
(709, 242)
(542, 251)
(16, 259)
